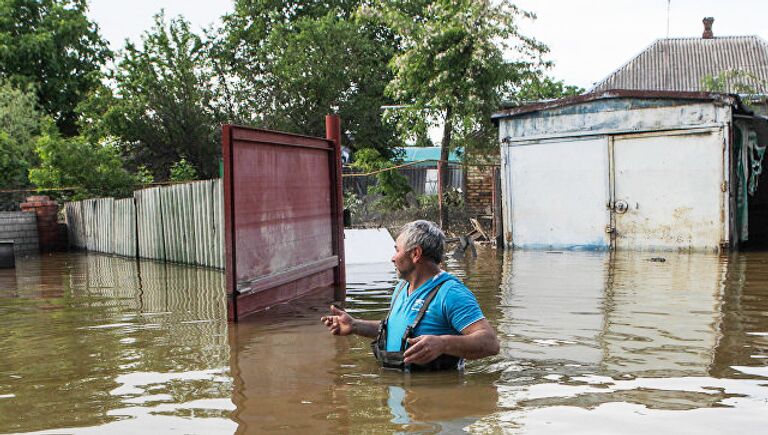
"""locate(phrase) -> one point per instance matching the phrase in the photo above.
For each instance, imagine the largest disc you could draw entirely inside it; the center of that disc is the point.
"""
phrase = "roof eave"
(728, 99)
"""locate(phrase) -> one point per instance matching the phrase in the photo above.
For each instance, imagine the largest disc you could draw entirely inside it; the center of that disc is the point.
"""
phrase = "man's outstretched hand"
(339, 322)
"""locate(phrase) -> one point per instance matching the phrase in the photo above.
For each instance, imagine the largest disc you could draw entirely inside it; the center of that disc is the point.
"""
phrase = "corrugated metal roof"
(413, 154)
(680, 64)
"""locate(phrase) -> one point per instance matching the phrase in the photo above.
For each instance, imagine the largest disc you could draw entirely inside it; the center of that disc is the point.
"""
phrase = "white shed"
(645, 170)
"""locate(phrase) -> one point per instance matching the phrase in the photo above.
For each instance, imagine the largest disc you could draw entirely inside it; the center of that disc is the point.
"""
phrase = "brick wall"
(48, 231)
(480, 190)
(21, 227)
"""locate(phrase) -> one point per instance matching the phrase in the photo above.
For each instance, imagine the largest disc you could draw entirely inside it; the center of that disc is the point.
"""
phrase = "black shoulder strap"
(412, 327)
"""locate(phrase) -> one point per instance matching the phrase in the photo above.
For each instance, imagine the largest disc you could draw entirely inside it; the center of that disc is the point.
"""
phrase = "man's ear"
(417, 254)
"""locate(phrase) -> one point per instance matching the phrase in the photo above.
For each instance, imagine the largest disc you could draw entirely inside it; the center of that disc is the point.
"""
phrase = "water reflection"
(621, 313)
(662, 318)
(591, 343)
(282, 366)
(743, 339)
(95, 341)
(290, 375)
(611, 337)
(552, 307)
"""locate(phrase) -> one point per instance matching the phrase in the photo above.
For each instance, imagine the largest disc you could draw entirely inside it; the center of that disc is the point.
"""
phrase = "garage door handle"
(620, 206)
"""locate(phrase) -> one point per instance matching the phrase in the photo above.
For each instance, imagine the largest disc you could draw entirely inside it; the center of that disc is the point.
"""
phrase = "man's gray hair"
(427, 235)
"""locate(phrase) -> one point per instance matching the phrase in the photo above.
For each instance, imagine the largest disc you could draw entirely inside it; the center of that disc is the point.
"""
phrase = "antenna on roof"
(669, 2)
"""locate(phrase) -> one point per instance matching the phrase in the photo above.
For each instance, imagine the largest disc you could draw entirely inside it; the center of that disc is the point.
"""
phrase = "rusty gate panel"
(283, 228)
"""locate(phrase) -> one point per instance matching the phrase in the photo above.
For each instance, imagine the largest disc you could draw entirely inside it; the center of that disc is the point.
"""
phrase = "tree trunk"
(445, 147)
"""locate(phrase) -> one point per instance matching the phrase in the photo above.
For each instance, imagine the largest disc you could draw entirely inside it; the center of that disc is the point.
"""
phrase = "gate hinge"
(724, 186)
(609, 229)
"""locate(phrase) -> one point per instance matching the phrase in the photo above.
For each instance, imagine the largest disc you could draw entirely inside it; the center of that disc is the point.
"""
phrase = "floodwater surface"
(591, 343)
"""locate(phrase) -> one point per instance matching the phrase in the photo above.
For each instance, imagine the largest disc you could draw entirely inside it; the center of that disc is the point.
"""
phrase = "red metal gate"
(283, 204)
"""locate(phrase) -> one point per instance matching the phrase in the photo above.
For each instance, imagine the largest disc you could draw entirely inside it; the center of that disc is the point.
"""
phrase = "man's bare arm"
(477, 340)
(366, 328)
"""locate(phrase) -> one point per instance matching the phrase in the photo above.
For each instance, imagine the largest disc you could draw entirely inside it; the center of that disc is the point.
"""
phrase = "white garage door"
(668, 191)
(557, 194)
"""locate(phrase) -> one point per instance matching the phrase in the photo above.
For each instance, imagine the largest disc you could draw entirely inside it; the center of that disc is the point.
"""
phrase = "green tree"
(52, 46)
(163, 107)
(451, 67)
(19, 123)
(14, 162)
(539, 87)
(736, 81)
(91, 169)
(750, 87)
(390, 184)
(143, 176)
(183, 171)
(294, 62)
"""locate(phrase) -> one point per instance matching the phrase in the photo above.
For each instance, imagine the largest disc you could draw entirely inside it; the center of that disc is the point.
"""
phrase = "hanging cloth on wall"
(756, 154)
(742, 182)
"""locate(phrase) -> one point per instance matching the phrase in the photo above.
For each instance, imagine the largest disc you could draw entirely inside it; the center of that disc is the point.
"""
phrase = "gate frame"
(273, 282)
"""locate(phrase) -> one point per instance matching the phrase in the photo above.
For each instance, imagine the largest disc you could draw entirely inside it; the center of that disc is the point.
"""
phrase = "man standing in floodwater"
(434, 320)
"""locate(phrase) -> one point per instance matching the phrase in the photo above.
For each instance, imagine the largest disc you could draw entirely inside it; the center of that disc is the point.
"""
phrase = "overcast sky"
(588, 39)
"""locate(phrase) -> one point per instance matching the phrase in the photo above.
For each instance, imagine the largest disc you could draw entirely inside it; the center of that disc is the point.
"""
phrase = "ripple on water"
(591, 343)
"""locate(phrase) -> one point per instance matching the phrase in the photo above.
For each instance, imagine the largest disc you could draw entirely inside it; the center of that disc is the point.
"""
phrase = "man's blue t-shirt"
(453, 309)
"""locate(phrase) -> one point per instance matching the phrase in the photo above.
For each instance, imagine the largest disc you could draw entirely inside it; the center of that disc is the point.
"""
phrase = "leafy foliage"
(537, 87)
(280, 65)
(163, 107)
(751, 88)
(183, 171)
(143, 176)
(19, 123)
(452, 68)
(391, 185)
(63, 160)
(14, 162)
(294, 62)
(53, 47)
(735, 81)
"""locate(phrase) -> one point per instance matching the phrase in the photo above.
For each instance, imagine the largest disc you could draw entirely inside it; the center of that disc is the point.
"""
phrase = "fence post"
(333, 133)
(440, 205)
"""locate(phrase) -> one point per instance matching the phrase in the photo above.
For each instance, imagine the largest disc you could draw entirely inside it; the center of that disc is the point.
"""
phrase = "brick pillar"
(47, 226)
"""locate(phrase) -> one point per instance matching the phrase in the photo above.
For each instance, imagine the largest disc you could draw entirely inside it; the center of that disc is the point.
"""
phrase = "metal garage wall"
(575, 172)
